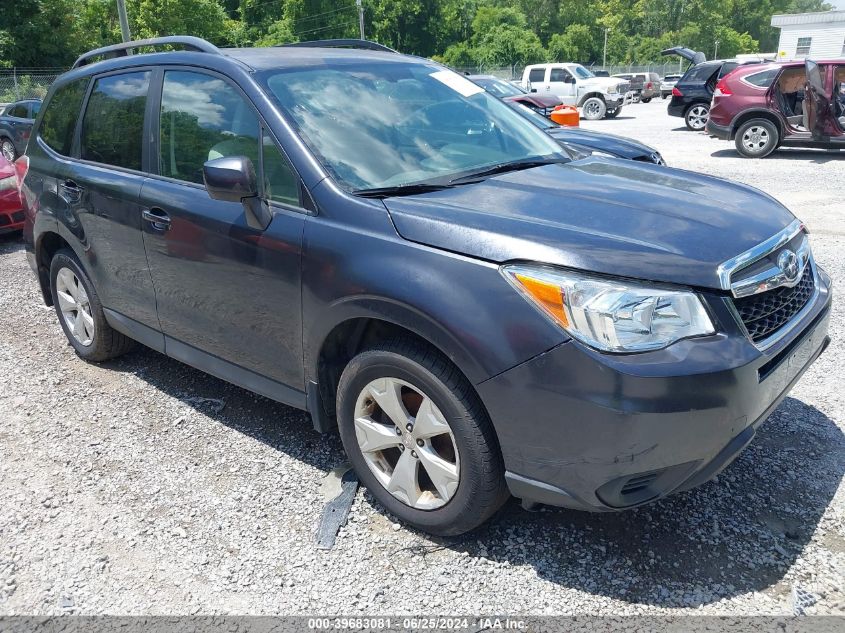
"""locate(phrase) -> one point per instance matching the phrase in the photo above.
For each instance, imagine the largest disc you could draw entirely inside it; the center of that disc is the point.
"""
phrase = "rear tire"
(594, 108)
(696, 116)
(757, 138)
(7, 148)
(393, 457)
(81, 313)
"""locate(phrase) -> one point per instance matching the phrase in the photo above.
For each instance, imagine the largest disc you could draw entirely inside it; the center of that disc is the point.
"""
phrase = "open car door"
(816, 101)
(690, 55)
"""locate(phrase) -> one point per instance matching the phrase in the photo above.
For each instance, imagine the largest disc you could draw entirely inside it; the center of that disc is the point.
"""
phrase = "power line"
(307, 17)
(325, 28)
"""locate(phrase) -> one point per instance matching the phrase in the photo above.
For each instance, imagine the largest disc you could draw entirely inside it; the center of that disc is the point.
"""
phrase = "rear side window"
(537, 74)
(59, 120)
(726, 68)
(36, 106)
(19, 110)
(203, 118)
(762, 79)
(113, 125)
(699, 74)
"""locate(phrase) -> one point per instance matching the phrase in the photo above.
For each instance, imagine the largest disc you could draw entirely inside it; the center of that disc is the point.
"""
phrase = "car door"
(101, 189)
(562, 84)
(228, 295)
(817, 101)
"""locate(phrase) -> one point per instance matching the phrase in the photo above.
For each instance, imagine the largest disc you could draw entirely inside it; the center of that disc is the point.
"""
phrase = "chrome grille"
(765, 313)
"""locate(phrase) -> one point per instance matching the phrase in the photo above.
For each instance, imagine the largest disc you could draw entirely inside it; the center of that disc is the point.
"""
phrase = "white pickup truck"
(598, 97)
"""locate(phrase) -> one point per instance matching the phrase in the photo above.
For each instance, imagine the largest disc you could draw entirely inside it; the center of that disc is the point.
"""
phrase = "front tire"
(696, 117)
(757, 138)
(594, 108)
(81, 313)
(645, 99)
(612, 114)
(419, 438)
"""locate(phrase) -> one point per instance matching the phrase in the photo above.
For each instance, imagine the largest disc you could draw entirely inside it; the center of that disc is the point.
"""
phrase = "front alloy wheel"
(594, 108)
(696, 117)
(419, 438)
(407, 443)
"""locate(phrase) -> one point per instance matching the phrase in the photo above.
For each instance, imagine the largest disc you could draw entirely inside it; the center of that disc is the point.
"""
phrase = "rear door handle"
(157, 217)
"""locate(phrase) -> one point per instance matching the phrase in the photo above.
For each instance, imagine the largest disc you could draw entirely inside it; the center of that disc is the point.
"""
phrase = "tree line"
(462, 33)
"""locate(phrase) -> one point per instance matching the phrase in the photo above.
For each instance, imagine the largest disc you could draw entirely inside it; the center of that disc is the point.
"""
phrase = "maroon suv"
(796, 104)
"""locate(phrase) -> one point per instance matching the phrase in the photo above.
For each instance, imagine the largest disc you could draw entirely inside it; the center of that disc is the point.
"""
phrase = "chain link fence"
(26, 83)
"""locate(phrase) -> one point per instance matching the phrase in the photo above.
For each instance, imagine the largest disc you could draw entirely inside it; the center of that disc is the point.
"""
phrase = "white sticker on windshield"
(457, 83)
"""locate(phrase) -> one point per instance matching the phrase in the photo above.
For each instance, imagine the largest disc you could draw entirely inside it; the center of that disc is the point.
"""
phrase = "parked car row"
(443, 284)
(763, 106)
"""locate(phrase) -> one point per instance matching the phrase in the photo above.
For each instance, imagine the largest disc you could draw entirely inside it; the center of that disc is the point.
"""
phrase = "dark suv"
(373, 238)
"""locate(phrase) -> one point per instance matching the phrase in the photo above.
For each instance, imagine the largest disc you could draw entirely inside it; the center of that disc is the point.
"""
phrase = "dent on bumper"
(594, 432)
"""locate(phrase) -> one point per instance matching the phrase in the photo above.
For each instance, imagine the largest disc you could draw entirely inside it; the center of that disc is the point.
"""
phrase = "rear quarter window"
(60, 115)
(762, 79)
(537, 74)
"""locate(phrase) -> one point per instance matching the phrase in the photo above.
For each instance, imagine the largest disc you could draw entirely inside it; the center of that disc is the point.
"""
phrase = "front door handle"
(158, 218)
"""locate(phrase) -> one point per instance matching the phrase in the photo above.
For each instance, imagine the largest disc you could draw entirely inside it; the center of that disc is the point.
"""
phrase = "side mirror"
(233, 179)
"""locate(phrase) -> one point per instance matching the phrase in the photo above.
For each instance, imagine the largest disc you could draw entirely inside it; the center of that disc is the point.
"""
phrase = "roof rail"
(348, 43)
(121, 50)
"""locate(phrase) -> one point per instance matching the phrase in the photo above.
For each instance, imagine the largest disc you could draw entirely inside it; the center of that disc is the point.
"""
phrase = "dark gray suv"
(372, 238)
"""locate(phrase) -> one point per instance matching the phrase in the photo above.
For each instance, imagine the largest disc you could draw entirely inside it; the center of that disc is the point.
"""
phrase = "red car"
(11, 211)
(796, 104)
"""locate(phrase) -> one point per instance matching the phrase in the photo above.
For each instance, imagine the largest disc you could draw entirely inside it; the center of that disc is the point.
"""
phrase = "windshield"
(499, 87)
(387, 123)
(582, 72)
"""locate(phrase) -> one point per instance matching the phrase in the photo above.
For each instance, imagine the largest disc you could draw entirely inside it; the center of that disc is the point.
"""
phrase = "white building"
(811, 35)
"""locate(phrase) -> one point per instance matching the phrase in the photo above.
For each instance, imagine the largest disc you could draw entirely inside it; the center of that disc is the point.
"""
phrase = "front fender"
(462, 306)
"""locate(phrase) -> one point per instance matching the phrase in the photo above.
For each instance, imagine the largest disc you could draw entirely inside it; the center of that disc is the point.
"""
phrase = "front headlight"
(611, 315)
(8, 183)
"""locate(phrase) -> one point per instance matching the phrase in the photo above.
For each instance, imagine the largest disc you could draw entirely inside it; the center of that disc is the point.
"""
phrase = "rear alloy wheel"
(7, 148)
(594, 108)
(419, 438)
(696, 117)
(757, 138)
(81, 313)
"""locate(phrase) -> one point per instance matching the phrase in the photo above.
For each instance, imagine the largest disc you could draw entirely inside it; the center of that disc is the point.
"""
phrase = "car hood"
(602, 215)
(540, 101)
(602, 82)
(610, 143)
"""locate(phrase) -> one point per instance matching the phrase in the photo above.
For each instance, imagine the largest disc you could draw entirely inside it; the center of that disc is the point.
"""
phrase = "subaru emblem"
(788, 264)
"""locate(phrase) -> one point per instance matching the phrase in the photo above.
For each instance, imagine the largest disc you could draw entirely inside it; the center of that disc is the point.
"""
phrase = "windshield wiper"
(401, 190)
(502, 168)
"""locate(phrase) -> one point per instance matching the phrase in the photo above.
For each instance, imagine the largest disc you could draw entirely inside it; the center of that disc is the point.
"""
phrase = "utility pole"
(604, 57)
(124, 22)
(360, 17)
(716, 51)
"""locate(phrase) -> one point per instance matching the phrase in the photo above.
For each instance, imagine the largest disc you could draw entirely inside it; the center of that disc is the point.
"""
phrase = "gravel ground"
(126, 492)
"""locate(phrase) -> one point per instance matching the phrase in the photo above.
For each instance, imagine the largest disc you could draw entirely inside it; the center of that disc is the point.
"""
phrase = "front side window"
(203, 118)
(59, 120)
(113, 125)
(803, 47)
(377, 124)
(537, 75)
(281, 184)
(559, 74)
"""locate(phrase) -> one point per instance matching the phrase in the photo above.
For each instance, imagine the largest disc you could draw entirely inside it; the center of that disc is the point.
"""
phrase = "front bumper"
(617, 100)
(722, 132)
(603, 432)
(11, 214)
